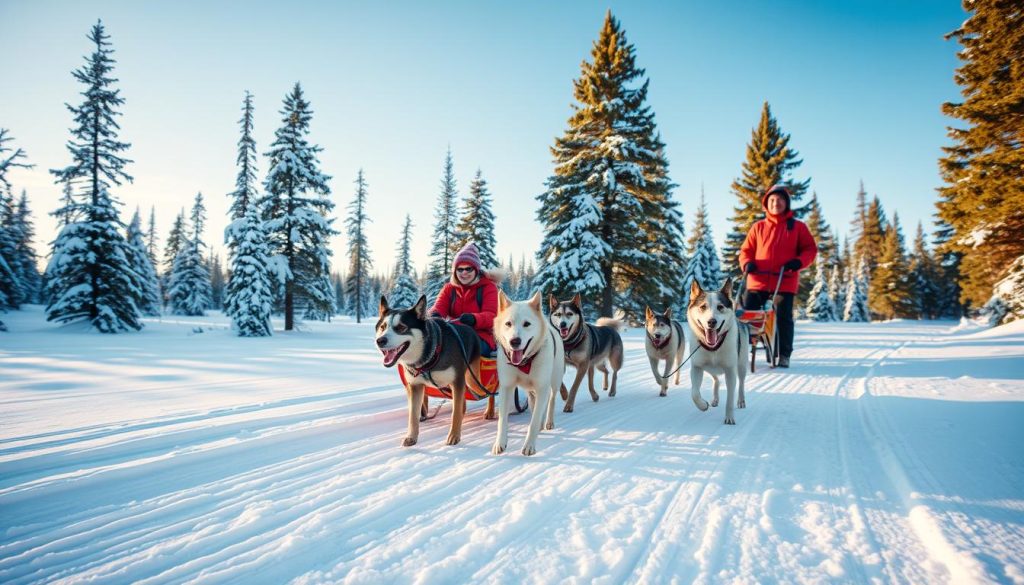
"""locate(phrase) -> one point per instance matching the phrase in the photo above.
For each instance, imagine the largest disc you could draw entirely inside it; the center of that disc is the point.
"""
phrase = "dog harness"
(571, 346)
(423, 369)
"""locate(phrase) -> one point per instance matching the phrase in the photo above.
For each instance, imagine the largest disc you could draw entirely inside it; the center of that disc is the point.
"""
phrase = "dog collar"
(525, 366)
(419, 370)
(571, 345)
(718, 345)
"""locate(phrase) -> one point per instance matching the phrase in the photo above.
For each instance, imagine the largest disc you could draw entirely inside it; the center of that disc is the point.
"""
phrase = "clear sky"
(393, 85)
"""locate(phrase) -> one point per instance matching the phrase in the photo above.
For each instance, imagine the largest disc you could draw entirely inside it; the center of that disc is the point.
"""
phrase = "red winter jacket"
(466, 302)
(770, 244)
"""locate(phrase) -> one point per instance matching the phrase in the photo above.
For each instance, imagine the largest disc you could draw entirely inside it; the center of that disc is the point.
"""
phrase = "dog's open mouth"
(391, 355)
(711, 336)
(518, 355)
(564, 332)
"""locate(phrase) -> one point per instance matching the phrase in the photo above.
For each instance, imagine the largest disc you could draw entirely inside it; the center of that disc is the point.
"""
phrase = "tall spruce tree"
(88, 276)
(25, 259)
(217, 281)
(822, 233)
(249, 298)
(820, 306)
(175, 242)
(612, 231)
(889, 296)
(477, 223)
(982, 202)
(444, 242)
(295, 209)
(357, 287)
(770, 160)
(151, 239)
(860, 213)
(872, 236)
(837, 290)
(703, 265)
(148, 301)
(189, 288)
(856, 308)
(14, 290)
(245, 192)
(404, 292)
(923, 278)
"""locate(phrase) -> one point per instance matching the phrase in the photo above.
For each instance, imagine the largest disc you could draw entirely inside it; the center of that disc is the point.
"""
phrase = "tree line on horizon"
(612, 230)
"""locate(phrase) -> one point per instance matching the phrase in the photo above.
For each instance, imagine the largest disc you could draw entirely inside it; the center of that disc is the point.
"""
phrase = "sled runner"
(488, 376)
(762, 325)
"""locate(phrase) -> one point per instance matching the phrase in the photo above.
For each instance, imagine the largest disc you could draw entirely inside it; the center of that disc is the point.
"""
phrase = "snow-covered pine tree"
(822, 233)
(527, 281)
(445, 238)
(924, 290)
(88, 276)
(856, 309)
(245, 194)
(703, 265)
(11, 288)
(217, 281)
(176, 240)
(770, 161)
(151, 240)
(189, 289)
(295, 210)
(477, 223)
(611, 229)
(359, 264)
(338, 282)
(820, 307)
(837, 290)
(511, 283)
(982, 202)
(148, 301)
(26, 259)
(404, 292)
(249, 298)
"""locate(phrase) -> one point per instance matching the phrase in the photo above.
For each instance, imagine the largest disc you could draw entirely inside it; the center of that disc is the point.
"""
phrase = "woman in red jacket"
(470, 297)
(779, 240)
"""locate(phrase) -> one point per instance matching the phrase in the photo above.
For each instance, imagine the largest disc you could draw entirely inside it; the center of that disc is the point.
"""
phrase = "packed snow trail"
(889, 453)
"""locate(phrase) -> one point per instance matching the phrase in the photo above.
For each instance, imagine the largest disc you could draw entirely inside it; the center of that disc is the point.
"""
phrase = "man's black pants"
(755, 299)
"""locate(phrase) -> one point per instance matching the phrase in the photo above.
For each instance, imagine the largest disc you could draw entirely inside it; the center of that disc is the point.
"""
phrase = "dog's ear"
(727, 288)
(577, 301)
(648, 314)
(503, 301)
(421, 308)
(383, 306)
(534, 302)
(552, 302)
(695, 291)
(668, 313)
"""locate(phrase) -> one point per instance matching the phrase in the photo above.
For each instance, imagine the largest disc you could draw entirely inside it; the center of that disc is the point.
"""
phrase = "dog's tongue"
(517, 356)
(390, 355)
(564, 332)
(712, 336)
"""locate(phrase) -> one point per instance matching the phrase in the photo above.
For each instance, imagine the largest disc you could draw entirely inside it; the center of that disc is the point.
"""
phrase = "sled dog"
(531, 357)
(723, 341)
(665, 341)
(431, 351)
(586, 347)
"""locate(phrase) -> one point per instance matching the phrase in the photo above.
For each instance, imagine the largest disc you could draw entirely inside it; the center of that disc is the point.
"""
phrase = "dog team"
(472, 320)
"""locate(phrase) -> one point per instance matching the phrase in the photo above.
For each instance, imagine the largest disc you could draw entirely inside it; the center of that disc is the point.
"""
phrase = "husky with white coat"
(723, 341)
(530, 356)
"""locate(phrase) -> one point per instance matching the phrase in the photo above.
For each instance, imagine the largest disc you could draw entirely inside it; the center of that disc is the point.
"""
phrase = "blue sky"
(858, 85)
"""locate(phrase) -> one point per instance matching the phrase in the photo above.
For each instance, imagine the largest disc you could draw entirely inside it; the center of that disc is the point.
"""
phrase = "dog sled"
(761, 324)
(488, 376)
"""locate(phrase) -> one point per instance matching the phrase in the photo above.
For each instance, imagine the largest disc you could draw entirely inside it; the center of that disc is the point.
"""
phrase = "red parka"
(771, 243)
(454, 300)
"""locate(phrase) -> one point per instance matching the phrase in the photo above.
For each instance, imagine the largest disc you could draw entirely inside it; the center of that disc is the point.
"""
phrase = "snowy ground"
(889, 453)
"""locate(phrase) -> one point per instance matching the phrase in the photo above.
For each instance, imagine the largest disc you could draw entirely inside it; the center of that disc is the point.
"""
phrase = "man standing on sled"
(470, 297)
(779, 240)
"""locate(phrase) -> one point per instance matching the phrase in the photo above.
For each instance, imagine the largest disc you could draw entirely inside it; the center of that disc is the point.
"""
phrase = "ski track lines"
(633, 489)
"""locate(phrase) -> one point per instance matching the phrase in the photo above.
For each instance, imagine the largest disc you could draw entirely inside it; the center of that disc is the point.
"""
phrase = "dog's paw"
(497, 449)
(452, 440)
(714, 402)
(611, 394)
(423, 417)
(567, 408)
(594, 396)
(664, 392)
(529, 450)
(490, 416)
(730, 420)
(741, 404)
(408, 442)
(702, 405)
(549, 426)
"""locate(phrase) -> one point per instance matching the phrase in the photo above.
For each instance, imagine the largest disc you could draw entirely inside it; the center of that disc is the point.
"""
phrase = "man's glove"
(468, 319)
(750, 267)
(793, 264)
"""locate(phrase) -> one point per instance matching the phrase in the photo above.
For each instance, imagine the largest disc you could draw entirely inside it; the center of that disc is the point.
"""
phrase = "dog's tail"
(616, 324)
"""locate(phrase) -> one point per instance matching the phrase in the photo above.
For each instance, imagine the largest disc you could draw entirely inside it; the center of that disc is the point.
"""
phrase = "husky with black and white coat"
(723, 341)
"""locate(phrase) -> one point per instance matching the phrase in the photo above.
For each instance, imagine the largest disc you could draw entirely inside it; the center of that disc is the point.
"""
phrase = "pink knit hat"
(469, 254)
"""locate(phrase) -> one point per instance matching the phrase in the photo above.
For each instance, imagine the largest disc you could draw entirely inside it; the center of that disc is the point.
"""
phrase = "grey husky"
(724, 343)
(433, 352)
(586, 347)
